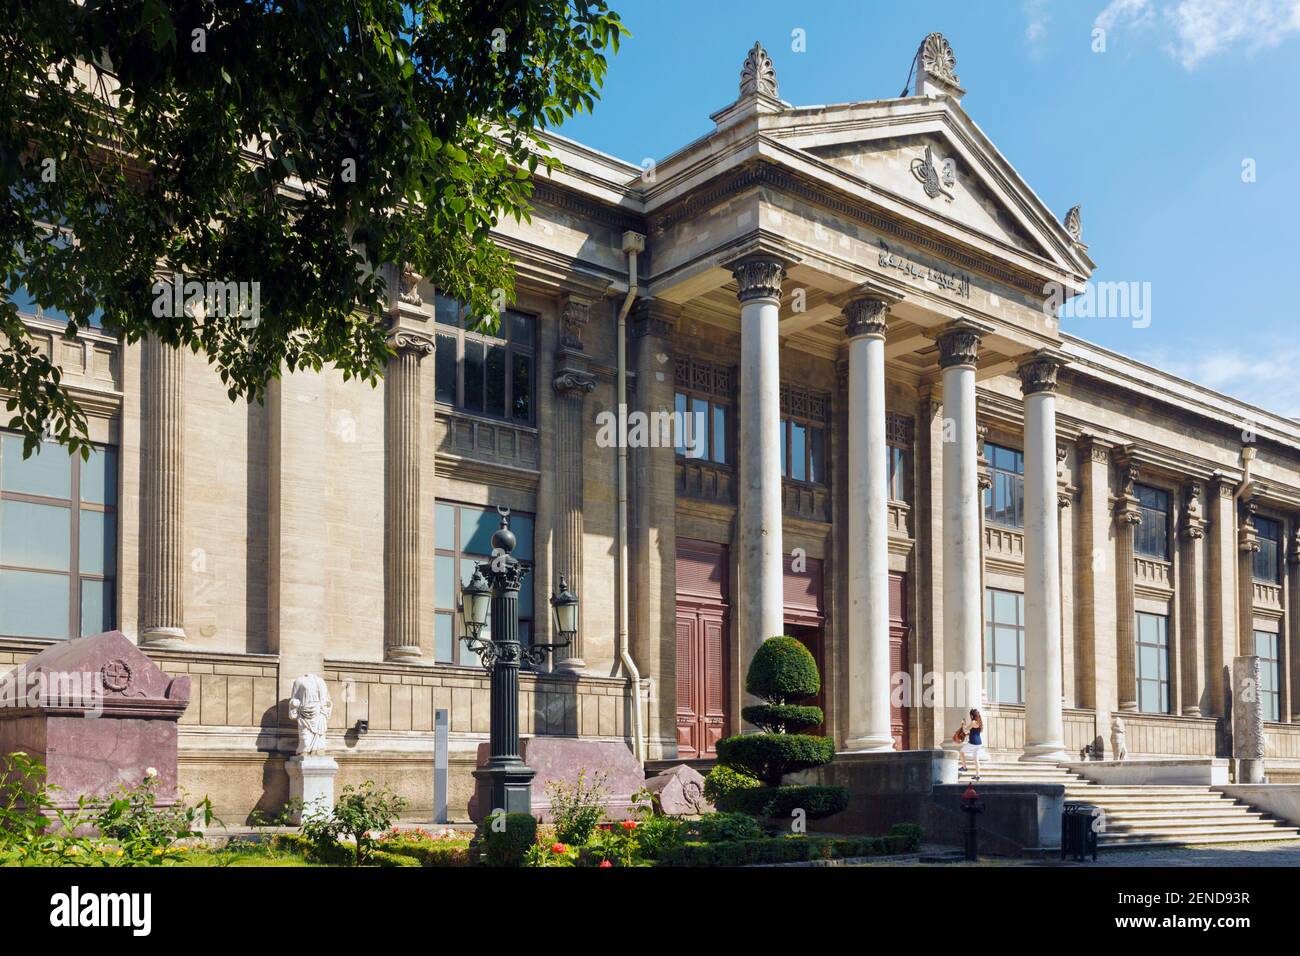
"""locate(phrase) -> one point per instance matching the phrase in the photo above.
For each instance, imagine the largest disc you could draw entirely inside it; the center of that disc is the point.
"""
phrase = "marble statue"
(310, 705)
(1118, 741)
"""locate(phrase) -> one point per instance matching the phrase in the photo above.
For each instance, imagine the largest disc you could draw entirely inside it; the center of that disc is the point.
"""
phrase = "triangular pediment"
(926, 169)
(928, 154)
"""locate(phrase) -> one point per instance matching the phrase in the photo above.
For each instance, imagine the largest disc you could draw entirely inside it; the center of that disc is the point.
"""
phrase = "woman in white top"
(973, 745)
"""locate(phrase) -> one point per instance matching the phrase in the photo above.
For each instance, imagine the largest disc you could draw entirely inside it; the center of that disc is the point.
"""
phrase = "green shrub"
(723, 828)
(385, 859)
(329, 854)
(910, 833)
(781, 802)
(661, 833)
(790, 849)
(782, 718)
(430, 852)
(357, 813)
(783, 670)
(769, 757)
(723, 779)
(506, 843)
(578, 808)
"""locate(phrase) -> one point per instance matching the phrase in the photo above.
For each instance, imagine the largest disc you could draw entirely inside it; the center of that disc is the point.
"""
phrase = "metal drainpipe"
(633, 243)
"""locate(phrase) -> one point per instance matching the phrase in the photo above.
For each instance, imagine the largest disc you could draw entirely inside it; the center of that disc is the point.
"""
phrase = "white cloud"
(1036, 28)
(1207, 27)
(1203, 28)
(1128, 13)
(1263, 376)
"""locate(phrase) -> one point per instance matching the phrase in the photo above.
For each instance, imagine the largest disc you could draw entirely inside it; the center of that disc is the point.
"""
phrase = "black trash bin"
(1079, 830)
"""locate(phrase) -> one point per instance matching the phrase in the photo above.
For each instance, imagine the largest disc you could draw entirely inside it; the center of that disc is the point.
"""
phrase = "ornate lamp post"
(493, 594)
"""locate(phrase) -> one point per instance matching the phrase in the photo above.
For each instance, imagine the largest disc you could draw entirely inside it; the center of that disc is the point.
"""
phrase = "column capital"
(414, 343)
(1093, 449)
(867, 315)
(1193, 516)
(1293, 552)
(759, 276)
(1037, 372)
(959, 343)
(574, 381)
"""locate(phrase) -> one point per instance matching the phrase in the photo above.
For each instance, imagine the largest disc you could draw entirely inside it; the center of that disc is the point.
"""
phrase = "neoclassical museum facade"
(868, 431)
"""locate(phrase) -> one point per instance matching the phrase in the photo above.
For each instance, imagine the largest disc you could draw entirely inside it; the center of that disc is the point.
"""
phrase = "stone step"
(1186, 815)
(1195, 838)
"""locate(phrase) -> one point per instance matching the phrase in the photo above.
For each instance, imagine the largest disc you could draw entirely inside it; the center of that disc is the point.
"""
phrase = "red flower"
(558, 848)
(603, 864)
(629, 824)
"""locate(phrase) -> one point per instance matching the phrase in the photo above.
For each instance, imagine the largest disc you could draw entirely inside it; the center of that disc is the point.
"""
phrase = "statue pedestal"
(311, 781)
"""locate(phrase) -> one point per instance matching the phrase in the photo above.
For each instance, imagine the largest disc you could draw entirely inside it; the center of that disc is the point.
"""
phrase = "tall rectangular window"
(463, 538)
(1268, 563)
(702, 404)
(58, 541)
(1153, 663)
(898, 435)
(1152, 538)
(487, 374)
(803, 434)
(1004, 646)
(1270, 674)
(1004, 501)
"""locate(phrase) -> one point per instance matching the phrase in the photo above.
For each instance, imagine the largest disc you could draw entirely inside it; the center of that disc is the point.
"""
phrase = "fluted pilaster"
(1127, 518)
(573, 383)
(162, 604)
(402, 501)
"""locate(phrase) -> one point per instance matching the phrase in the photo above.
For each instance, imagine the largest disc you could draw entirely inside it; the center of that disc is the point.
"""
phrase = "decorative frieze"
(575, 312)
(707, 377)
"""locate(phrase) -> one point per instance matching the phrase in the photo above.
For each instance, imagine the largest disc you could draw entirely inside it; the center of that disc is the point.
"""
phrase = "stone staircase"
(1138, 816)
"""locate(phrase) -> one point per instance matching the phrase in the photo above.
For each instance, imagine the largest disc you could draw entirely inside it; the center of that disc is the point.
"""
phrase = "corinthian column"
(1127, 517)
(163, 617)
(572, 385)
(1044, 728)
(402, 502)
(758, 561)
(962, 601)
(868, 546)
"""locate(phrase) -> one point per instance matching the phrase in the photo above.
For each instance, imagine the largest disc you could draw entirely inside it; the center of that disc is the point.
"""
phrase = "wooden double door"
(703, 647)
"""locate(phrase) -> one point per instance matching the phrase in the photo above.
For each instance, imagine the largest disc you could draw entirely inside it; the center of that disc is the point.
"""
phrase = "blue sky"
(1150, 136)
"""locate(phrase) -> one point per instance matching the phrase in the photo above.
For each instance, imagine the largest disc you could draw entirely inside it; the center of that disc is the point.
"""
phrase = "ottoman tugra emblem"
(938, 177)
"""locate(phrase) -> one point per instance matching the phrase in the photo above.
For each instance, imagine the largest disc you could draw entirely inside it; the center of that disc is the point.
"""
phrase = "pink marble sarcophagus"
(96, 712)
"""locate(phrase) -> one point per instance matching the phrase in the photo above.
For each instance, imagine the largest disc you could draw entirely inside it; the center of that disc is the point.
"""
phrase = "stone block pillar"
(1247, 720)
(654, 529)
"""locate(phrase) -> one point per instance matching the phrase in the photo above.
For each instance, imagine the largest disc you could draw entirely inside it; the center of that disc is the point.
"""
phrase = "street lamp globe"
(476, 598)
(565, 607)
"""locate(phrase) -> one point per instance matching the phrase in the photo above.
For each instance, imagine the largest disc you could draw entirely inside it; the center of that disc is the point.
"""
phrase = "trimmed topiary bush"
(909, 833)
(783, 673)
(769, 757)
(781, 802)
(722, 827)
(782, 718)
(783, 670)
(723, 779)
(506, 846)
